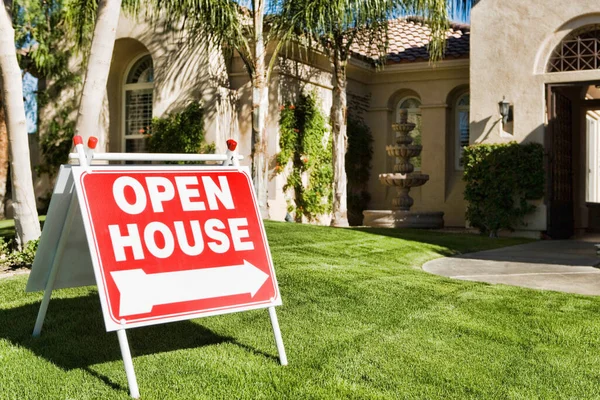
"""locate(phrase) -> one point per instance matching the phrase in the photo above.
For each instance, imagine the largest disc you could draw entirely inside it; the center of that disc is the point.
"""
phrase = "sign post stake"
(134, 391)
(278, 338)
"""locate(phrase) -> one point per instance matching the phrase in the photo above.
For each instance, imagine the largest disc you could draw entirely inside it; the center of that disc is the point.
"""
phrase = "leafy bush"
(180, 133)
(12, 258)
(501, 180)
(358, 167)
(303, 130)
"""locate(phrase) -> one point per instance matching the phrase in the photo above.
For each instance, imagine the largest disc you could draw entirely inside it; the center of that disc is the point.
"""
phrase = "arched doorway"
(572, 142)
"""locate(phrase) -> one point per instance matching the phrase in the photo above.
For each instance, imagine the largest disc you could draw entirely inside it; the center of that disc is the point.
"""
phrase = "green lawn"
(360, 320)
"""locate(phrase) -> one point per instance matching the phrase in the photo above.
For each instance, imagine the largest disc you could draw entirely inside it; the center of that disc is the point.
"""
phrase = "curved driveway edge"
(561, 265)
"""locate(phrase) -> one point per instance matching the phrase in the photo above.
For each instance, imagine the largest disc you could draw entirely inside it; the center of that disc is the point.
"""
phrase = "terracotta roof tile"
(408, 40)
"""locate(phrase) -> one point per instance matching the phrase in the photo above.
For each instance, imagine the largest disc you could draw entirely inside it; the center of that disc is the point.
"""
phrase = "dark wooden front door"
(559, 148)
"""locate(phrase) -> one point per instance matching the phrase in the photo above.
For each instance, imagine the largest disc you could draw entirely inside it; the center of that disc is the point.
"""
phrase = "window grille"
(579, 51)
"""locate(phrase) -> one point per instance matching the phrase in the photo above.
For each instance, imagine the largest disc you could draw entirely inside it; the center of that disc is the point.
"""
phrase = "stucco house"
(545, 63)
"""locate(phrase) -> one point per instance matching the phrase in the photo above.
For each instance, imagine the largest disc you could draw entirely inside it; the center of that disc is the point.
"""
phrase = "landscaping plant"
(306, 145)
(181, 132)
(501, 181)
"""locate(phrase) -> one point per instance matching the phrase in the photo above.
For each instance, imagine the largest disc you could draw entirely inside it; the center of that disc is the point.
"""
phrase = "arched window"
(137, 92)
(579, 51)
(413, 107)
(461, 128)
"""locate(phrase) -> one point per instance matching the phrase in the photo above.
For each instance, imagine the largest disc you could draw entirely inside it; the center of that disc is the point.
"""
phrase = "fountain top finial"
(403, 114)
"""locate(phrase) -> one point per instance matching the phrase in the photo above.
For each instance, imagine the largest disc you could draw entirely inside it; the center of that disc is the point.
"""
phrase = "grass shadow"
(74, 335)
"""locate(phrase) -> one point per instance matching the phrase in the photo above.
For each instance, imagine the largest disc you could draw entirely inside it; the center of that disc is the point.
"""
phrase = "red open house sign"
(175, 243)
(162, 243)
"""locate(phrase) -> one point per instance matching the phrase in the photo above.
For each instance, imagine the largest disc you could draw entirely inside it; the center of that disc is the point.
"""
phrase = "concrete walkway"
(560, 265)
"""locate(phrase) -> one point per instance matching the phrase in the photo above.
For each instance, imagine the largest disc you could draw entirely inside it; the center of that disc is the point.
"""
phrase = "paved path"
(561, 265)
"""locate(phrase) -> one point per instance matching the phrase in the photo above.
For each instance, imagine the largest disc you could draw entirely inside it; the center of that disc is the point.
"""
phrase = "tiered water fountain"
(403, 179)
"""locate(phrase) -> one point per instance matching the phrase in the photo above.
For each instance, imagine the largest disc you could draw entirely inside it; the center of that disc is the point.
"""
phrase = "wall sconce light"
(505, 111)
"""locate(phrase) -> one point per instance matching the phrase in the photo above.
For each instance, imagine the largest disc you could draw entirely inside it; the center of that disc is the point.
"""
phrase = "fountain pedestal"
(403, 179)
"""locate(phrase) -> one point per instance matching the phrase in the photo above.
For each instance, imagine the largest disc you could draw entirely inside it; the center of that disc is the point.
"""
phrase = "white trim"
(592, 128)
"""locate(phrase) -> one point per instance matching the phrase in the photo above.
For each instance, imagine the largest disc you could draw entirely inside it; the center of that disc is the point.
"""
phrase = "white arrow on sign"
(140, 291)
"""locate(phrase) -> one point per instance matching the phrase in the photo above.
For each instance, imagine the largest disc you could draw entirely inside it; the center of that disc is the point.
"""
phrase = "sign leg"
(39, 322)
(129, 371)
(277, 334)
(64, 235)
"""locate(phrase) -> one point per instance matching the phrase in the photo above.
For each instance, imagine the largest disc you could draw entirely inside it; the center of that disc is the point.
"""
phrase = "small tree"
(306, 144)
(358, 166)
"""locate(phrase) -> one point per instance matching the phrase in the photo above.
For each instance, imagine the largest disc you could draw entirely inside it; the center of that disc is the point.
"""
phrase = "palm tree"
(98, 66)
(27, 225)
(3, 160)
(334, 27)
(235, 27)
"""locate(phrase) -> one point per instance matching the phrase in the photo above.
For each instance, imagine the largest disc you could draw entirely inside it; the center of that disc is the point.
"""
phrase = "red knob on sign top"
(231, 144)
(77, 140)
(92, 142)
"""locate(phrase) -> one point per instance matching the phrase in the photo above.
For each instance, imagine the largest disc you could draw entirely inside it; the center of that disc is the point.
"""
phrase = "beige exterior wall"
(511, 42)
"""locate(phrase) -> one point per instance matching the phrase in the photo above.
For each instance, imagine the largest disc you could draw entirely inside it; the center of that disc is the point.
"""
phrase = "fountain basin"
(404, 180)
(403, 219)
(404, 151)
(403, 127)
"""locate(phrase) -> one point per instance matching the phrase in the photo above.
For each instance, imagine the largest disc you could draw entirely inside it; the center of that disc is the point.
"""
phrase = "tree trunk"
(3, 160)
(260, 106)
(27, 225)
(98, 67)
(103, 125)
(340, 142)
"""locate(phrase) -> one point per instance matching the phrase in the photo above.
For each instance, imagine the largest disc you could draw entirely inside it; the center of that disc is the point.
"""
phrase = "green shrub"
(12, 258)
(358, 167)
(302, 130)
(180, 133)
(501, 179)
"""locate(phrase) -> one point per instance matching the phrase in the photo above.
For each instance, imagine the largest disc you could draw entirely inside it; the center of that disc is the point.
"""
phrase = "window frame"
(129, 87)
(457, 145)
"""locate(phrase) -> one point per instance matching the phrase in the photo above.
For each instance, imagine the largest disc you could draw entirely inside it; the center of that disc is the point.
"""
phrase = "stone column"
(434, 156)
